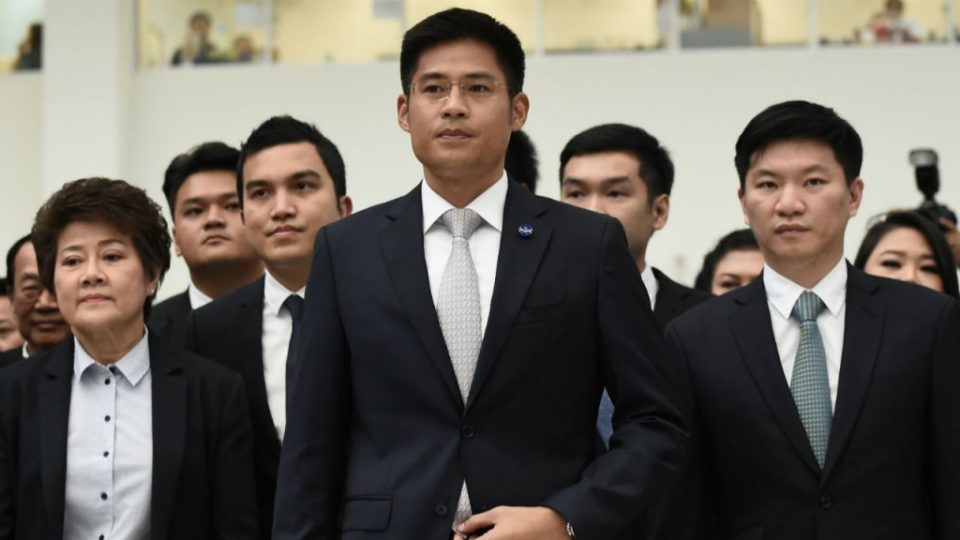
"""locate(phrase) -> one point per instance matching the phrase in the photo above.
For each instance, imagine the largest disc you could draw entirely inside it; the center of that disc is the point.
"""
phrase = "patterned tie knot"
(808, 307)
(461, 221)
(294, 305)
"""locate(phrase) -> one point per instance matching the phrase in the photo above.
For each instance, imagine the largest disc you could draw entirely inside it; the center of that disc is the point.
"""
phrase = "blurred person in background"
(201, 191)
(135, 439)
(34, 307)
(243, 49)
(909, 247)
(31, 49)
(521, 162)
(735, 261)
(196, 47)
(10, 338)
(891, 26)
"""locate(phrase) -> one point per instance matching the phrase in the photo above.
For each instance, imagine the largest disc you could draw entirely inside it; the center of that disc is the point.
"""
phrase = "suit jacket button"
(441, 510)
(826, 502)
(467, 431)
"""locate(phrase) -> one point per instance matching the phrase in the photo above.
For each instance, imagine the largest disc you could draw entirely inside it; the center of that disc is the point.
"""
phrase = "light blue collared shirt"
(110, 447)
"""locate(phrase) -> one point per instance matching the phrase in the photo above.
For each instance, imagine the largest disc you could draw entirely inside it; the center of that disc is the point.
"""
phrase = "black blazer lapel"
(517, 264)
(402, 247)
(863, 327)
(54, 407)
(754, 336)
(250, 351)
(169, 414)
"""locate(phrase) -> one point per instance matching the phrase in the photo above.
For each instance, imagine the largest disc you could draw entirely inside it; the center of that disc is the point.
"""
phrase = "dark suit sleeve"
(312, 463)
(687, 510)
(945, 428)
(7, 508)
(649, 437)
(235, 498)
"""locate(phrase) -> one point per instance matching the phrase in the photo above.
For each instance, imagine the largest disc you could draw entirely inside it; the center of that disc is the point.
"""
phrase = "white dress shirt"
(650, 282)
(110, 447)
(197, 298)
(782, 294)
(277, 327)
(484, 242)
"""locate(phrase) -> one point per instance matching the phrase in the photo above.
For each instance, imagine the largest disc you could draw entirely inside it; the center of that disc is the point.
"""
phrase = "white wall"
(696, 102)
(20, 161)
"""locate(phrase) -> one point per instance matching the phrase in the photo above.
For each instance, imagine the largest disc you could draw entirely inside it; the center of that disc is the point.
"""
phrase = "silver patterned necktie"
(458, 308)
(810, 384)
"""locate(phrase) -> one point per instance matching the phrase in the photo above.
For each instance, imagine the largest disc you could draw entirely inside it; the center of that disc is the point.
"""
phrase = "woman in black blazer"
(113, 434)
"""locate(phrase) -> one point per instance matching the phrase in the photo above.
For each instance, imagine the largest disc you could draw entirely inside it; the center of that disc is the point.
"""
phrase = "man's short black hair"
(800, 120)
(521, 162)
(458, 24)
(12, 259)
(656, 168)
(209, 156)
(288, 130)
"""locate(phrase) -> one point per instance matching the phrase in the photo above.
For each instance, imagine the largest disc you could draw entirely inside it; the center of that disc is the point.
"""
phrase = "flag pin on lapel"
(525, 230)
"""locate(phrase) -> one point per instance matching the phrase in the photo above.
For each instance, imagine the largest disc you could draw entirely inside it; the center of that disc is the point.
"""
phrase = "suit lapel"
(517, 264)
(169, 399)
(754, 335)
(54, 408)
(402, 245)
(861, 343)
(668, 300)
(250, 351)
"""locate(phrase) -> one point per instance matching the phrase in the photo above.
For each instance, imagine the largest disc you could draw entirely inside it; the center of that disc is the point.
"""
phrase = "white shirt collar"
(650, 282)
(197, 298)
(783, 293)
(275, 294)
(488, 204)
(133, 365)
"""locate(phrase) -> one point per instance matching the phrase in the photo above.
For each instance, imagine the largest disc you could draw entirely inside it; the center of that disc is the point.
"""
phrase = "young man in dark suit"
(622, 171)
(291, 181)
(457, 339)
(200, 187)
(823, 401)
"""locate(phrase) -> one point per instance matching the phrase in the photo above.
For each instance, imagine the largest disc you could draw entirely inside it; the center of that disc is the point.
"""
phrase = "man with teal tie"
(823, 402)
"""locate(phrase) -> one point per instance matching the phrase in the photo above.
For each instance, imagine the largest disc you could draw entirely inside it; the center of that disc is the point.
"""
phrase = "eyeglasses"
(472, 88)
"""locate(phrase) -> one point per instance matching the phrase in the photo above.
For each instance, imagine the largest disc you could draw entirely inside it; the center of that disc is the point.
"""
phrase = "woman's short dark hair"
(942, 255)
(126, 208)
(738, 240)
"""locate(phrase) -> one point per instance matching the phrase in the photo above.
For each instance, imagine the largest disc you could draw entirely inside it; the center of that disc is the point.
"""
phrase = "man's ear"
(176, 242)
(519, 108)
(346, 206)
(403, 110)
(661, 211)
(743, 207)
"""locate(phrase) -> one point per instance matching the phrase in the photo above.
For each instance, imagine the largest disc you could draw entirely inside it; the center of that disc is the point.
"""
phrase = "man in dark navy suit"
(291, 181)
(624, 172)
(456, 340)
(823, 402)
(200, 187)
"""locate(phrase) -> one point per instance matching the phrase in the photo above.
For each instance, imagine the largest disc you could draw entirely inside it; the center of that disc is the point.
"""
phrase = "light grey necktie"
(458, 308)
(810, 384)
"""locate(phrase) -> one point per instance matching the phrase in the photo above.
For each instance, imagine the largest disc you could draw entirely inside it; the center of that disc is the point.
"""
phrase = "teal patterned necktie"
(810, 385)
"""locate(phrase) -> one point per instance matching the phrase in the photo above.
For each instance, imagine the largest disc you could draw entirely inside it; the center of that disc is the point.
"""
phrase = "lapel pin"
(525, 230)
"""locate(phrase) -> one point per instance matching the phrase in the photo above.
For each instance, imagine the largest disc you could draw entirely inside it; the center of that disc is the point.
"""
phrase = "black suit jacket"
(673, 299)
(202, 447)
(379, 439)
(11, 357)
(169, 318)
(228, 331)
(892, 469)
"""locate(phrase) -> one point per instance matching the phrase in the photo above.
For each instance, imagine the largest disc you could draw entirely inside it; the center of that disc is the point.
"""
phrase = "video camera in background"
(924, 161)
